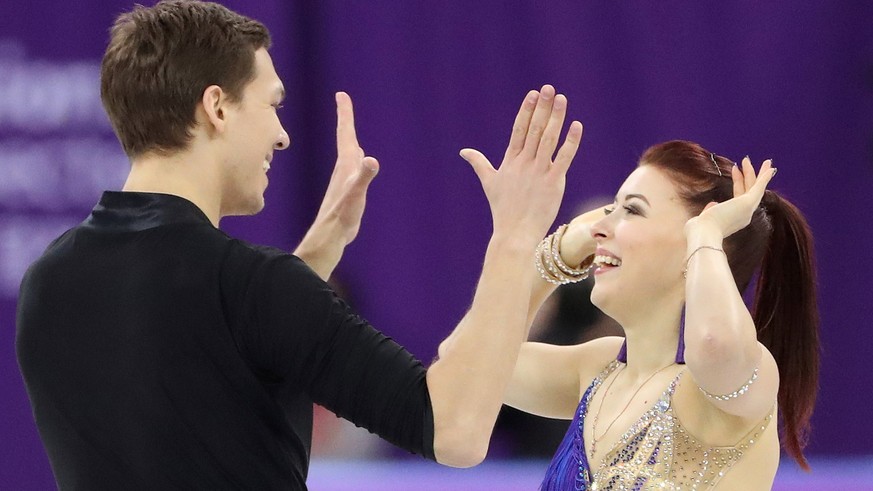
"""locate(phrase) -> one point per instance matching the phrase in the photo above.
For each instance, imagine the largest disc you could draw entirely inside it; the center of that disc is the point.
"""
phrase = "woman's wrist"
(576, 246)
(700, 231)
(551, 265)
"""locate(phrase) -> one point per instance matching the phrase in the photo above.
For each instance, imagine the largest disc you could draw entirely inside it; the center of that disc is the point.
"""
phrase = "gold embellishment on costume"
(658, 453)
(594, 439)
(699, 467)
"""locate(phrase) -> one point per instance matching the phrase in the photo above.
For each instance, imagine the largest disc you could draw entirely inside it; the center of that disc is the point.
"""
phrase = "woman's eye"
(632, 210)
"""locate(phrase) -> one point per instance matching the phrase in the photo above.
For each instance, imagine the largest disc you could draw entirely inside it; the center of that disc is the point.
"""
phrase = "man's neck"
(185, 174)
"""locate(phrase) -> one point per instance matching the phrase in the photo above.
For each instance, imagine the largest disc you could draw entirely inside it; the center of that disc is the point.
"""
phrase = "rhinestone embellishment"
(656, 452)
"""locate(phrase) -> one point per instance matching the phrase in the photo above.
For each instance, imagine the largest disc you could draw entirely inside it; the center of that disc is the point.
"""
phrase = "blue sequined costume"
(656, 452)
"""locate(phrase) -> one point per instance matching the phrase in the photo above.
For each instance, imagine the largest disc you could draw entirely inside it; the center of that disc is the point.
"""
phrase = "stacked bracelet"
(552, 267)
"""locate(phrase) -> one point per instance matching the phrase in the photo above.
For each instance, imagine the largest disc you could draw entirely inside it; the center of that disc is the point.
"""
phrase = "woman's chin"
(610, 300)
(600, 298)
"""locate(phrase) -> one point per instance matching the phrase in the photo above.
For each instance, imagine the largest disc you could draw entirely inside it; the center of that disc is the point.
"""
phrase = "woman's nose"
(600, 228)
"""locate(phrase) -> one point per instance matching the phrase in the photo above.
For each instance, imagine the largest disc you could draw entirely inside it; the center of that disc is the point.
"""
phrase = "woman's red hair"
(778, 245)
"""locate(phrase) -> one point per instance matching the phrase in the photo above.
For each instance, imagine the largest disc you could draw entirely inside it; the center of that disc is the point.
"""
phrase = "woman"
(691, 399)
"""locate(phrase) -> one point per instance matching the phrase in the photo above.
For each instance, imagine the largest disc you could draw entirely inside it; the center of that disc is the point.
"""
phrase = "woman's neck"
(652, 341)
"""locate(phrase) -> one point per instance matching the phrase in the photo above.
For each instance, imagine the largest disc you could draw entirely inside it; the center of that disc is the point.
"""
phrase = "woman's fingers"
(762, 181)
(480, 164)
(552, 133)
(569, 148)
(748, 174)
(539, 121)
(737, 176)
(521, 124)
(536, 133)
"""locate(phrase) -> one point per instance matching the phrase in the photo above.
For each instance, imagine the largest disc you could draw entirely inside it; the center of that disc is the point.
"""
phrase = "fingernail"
(774, 172)
(746, 158)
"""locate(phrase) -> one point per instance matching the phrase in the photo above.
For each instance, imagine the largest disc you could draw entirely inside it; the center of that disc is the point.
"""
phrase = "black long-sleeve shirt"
(160, 353)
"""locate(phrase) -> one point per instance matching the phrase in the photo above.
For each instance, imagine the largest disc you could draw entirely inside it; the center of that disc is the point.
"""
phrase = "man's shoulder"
(256, 252)
(262, 260)
(273, 282)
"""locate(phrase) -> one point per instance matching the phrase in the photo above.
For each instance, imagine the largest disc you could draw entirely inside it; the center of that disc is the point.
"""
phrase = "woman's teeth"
(606, 260)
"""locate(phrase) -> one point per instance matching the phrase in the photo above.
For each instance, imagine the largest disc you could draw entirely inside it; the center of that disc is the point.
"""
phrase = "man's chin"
(255, 209)
(247, 209)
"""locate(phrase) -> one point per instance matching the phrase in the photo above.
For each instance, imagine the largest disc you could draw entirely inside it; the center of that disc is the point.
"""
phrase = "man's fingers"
(346, 138)
(370, 166)
(569, 148)
(481, 166)
(354, 188)
(366, 173)
(521, 124)
(539, 120)
(552, 134)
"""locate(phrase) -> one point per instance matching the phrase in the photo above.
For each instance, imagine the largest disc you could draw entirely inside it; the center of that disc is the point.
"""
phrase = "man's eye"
(608, 210)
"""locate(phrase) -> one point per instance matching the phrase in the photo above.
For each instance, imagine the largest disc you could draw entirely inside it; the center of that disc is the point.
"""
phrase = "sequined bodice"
(656, 452)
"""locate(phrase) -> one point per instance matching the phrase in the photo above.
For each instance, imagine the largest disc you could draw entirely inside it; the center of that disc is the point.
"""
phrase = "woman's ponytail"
(786, 316)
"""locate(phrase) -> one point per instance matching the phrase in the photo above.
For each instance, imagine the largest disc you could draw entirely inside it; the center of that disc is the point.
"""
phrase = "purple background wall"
(787, 81)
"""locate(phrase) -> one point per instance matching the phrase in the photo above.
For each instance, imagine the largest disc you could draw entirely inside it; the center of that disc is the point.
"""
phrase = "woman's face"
(644, 233)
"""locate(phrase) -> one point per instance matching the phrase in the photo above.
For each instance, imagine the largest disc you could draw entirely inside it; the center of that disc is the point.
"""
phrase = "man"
(159, 353)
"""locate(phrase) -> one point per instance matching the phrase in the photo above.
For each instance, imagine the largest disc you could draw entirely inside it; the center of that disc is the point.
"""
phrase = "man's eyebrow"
(639, 196)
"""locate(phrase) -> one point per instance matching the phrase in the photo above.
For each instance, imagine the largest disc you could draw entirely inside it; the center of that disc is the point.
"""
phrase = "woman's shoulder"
(595, 356)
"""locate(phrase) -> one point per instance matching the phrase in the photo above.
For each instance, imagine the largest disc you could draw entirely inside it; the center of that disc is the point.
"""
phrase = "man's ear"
(214, 103)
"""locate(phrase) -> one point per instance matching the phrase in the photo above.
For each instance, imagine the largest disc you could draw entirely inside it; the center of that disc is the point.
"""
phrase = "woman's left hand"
(736, 213)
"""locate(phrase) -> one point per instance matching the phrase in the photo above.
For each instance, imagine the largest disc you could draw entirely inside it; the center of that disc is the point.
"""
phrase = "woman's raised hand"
(736, 213)
(526, 191)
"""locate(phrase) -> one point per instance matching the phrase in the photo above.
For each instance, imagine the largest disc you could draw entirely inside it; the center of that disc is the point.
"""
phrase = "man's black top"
(159, 353)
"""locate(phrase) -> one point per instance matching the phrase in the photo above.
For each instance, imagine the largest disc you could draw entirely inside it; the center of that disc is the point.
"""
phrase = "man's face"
(253, 133)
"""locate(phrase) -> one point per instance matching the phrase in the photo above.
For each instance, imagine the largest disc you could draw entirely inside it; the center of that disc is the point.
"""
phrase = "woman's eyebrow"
(639, 196)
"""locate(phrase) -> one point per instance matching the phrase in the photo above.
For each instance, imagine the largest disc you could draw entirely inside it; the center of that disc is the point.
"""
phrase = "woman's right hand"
(525, 192)
(577, 242)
